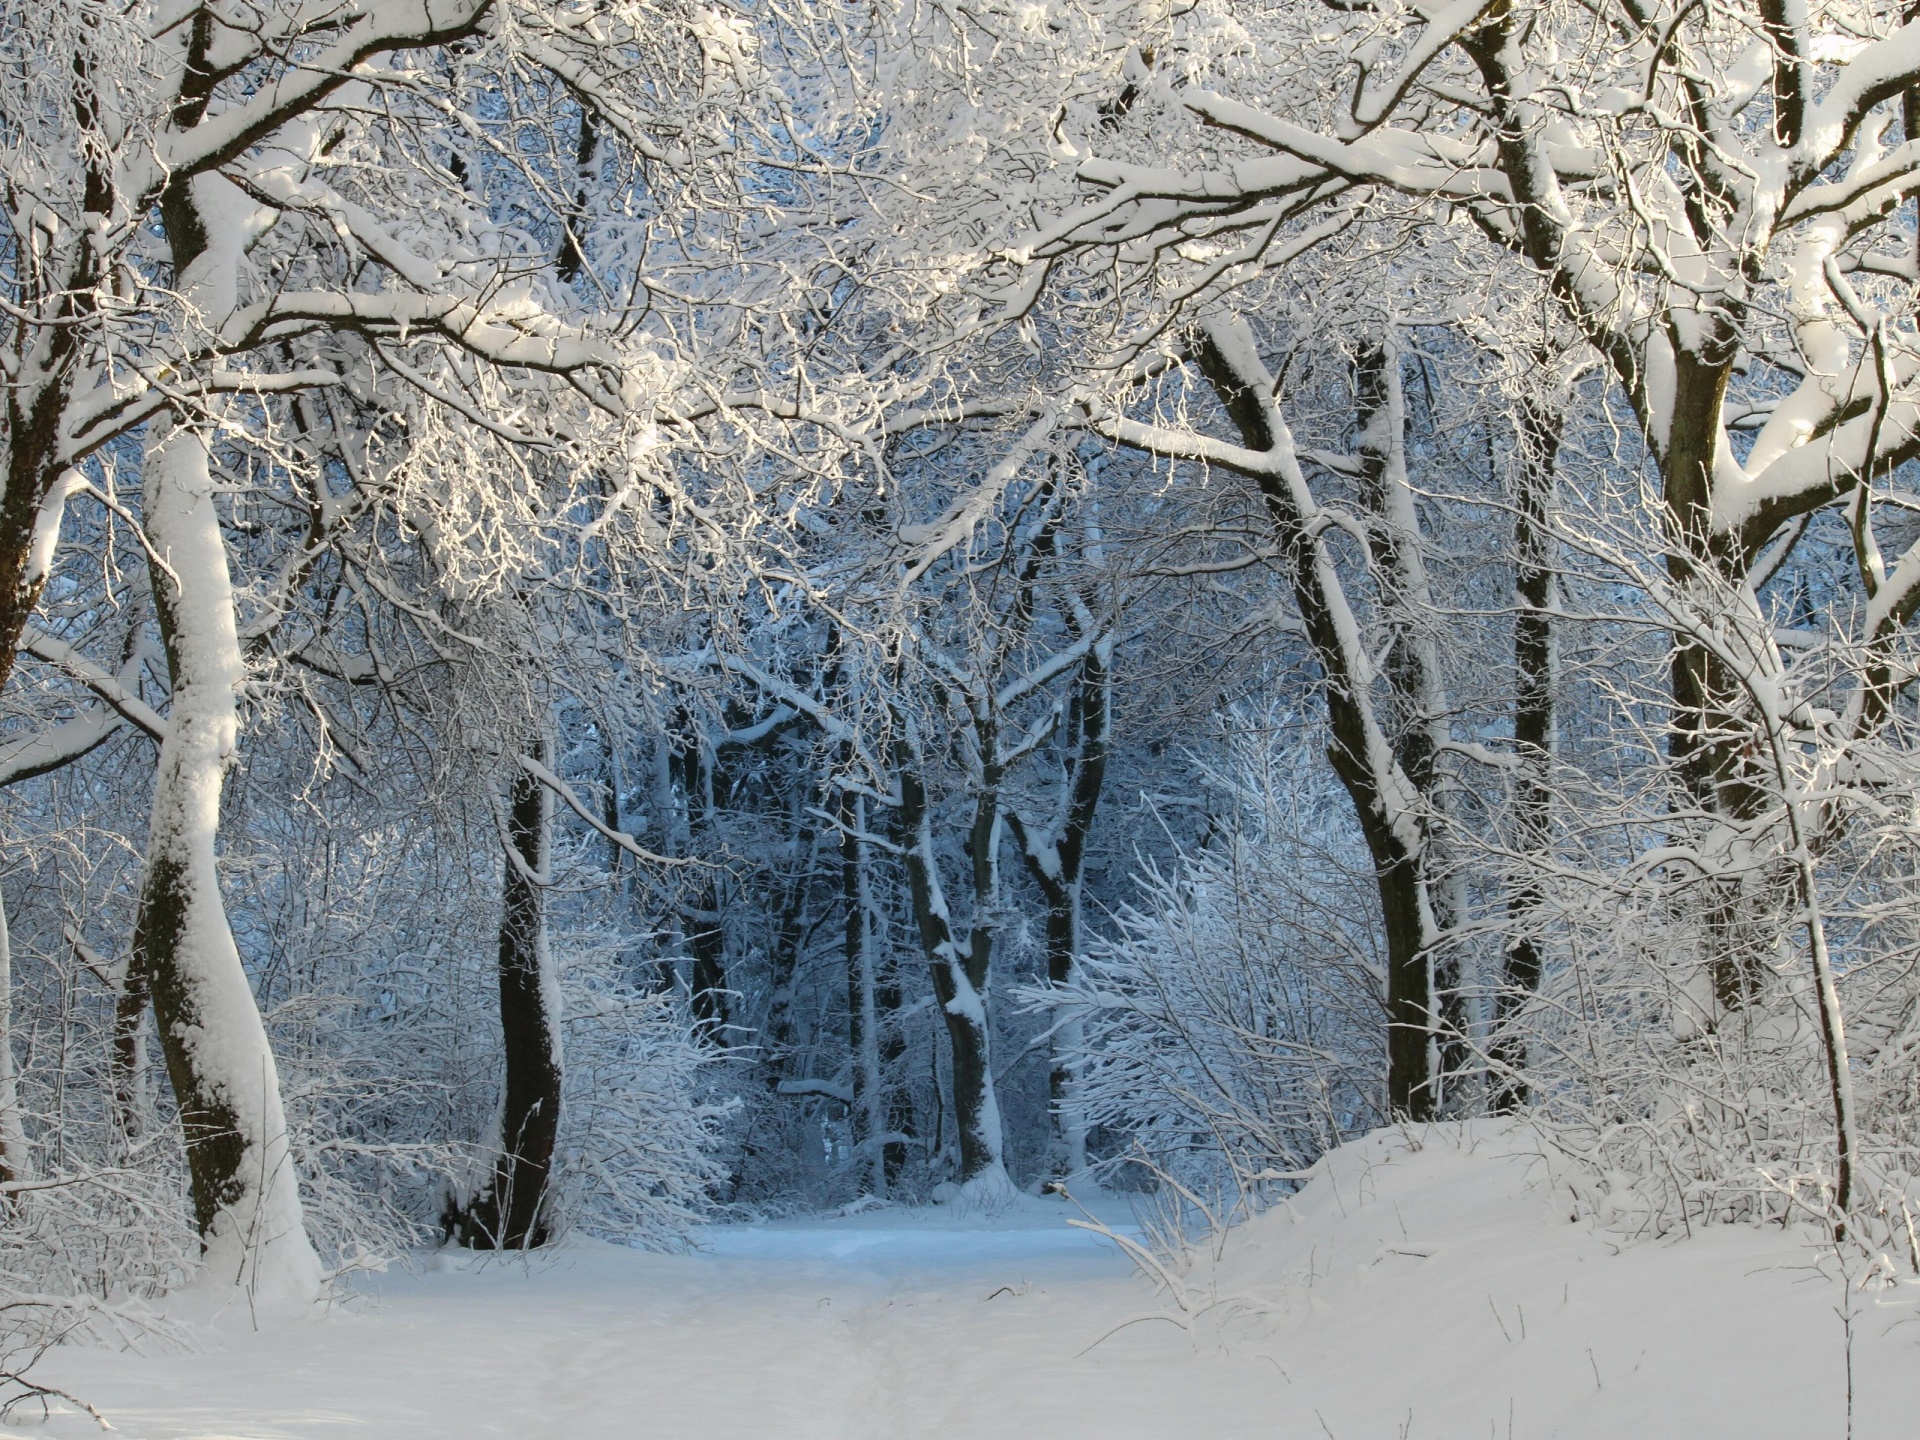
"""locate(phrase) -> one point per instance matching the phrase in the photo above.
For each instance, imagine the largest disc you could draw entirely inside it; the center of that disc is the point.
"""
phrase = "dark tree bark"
(1410, 669)
(701, 923)
(868, 1113)
(129, 1055)
(31, 429)
(890, 1039)
(903, 1125)
(571, 259)
(1056, 856)
(1910, 110)
(1711, 725)
(1396, 840)
(31, 432)
(959, 966)
(13, 1149)
(790, 934)
(509, 1209)
(1533, 720)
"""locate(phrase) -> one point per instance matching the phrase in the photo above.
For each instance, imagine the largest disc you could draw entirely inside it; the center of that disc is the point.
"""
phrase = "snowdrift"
(1448, 1282)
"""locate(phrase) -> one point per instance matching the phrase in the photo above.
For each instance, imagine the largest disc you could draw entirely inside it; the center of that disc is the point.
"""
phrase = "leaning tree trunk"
(1390, 807)
(246, 1196)
(1414, 704)
(510, 1208)
(1533, 667)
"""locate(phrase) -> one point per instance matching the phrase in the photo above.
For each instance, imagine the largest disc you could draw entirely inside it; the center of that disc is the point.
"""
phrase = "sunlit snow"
(1440, 1293)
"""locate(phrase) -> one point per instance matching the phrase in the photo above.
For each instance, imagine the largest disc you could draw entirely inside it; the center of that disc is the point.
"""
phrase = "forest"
(625, 615)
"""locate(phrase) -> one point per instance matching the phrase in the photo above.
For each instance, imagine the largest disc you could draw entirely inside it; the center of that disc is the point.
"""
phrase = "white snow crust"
(1440, 1291)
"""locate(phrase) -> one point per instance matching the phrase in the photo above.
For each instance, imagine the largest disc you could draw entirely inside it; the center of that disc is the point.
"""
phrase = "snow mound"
(1444, 1282)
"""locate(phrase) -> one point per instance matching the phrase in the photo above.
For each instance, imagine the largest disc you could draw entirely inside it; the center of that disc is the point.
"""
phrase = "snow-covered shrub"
(385, 1018)
(637, 1137)
(1684, 1112)
(366, 1179)
(1680, 1044)
(1229, 1026)
(358, 930)
(94, 1221)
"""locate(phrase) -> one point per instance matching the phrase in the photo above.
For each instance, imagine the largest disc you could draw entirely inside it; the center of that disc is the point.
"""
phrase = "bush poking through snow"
(1229, 1025)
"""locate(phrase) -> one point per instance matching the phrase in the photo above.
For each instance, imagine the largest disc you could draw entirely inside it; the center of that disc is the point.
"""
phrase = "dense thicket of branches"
(612, 611)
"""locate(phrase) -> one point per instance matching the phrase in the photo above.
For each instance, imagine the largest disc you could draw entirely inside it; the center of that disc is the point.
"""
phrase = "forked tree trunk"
(959, 967)
(1711, 729)
(1414, 705)
(509, 1210)
(246, 1197)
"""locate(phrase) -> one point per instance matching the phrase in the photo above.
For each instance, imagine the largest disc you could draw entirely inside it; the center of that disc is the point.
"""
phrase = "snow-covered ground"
(1440, 1293)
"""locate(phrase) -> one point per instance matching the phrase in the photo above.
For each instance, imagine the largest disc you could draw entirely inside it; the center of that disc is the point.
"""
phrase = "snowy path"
(796, 1331)
(1442, 1295)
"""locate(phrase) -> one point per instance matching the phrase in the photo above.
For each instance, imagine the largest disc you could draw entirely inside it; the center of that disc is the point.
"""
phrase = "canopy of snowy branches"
(620, 613)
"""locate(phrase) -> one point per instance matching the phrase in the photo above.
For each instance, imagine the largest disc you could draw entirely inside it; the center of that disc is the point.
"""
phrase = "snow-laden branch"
(45, 751)
(579, 807)
(965, 515)
(116, 691)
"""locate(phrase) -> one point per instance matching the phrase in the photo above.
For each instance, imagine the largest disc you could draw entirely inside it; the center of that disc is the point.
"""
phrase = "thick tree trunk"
(1063, 950)
(245, 1192)
(1533, 736)
(960, 969)
(509, 1211)
(1712, 732)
